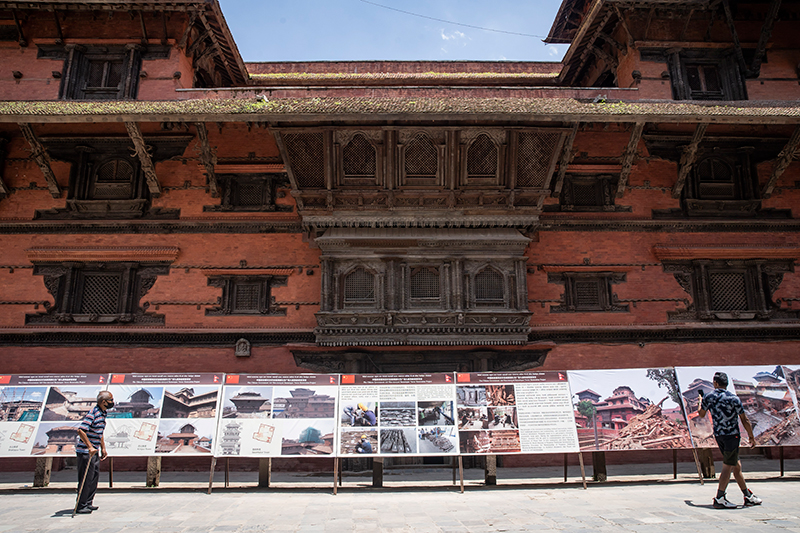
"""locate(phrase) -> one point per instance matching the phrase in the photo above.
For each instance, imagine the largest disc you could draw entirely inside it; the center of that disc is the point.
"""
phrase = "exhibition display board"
(515, 412)
(277, 415)
(163, 414)
(397, 414)
(40, 414)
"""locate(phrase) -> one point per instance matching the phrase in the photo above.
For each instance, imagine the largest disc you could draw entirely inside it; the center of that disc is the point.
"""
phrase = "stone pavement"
(642, 499)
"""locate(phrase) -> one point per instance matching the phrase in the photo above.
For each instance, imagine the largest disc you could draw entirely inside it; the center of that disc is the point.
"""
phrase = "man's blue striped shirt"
(93, 425)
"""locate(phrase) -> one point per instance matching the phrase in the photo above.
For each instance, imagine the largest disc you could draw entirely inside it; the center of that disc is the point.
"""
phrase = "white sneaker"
(723, 503)
(752, 500)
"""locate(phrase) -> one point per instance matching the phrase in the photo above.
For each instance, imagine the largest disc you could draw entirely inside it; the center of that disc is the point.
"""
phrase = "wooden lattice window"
(535, 157)
(587, 193)
(482, 160)
(715, 179)
(246, 295)
(307, 158)
(728, 291)
(359, 160)
(113, 180)
(421, 162)
(359, 289)
(98, 293)
(489, 288)
(587, 291)
(424, 286)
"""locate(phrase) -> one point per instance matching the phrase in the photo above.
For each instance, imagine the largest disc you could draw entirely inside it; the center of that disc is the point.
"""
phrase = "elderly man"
(726, 412)
(90, 442)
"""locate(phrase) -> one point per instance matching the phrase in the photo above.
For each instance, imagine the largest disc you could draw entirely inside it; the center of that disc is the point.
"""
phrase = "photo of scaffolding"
(247, 402)
(766, 397)
(628, 409)
(21, 404)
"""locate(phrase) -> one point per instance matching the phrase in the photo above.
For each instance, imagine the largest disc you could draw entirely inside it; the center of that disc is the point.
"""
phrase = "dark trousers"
(92, 477)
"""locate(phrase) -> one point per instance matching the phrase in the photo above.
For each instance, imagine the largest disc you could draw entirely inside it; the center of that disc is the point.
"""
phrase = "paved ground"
(641, 498)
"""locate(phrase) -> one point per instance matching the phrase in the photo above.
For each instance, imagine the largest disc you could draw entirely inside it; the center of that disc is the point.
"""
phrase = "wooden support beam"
(605, 56)
(624, 23)
(649, 20)
(686, 25)
(185, 36)
(59, 32)
(164, 28)
(737, 45)
(144, 28)
(22, 41)
(628, 157)
(589, 50)
(42, 158)
(566, 158)
(766, 33)
(613, 42)
(688, 158)
(782, 162)
(207, 158)
(146, 161)
(214, 40)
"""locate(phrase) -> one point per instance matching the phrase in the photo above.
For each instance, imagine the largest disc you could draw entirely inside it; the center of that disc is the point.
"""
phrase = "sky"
(314, 30)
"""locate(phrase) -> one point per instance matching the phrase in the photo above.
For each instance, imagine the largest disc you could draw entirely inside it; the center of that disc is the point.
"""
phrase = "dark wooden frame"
(227, 302)
(606, 296)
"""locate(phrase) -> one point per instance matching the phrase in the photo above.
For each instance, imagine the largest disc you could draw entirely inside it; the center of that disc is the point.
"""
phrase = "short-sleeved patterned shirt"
(725, 408)
(93, 425)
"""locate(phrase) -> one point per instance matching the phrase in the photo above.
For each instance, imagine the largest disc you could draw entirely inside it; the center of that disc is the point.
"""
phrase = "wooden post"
(599, 466)
(583, 469)
(565, 468)
(706, 463)
(110, 472)
(490, 470)
(697, 464)
(211, 475)
(377, 471)
(44, 466)
(455, 466)
(264, 472)
(336, 474)
(227, 472)
(674, 463)
(780, 452)
(461, 473)
(339, 460)
(153, 471)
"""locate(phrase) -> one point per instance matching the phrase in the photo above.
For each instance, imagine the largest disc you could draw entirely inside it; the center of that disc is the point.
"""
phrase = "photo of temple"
(304, 403)
(69, 404)
(190, 402)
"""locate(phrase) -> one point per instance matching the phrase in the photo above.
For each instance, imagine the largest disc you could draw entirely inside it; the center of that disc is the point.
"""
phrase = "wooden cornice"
(666, 252)
(154, 254)
(247, 168)
(782, 162)
(249, 271)
(144, 158)
(589, 268)
(42, 158)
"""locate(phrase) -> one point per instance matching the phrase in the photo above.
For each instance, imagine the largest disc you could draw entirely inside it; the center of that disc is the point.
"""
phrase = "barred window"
(489, 288)
(728, 291)
(246, 295)
(98, 293)
(535, 157)
(421, 162)
(587, 292)
(306, 153)
(424, 286)
(482, 159)
(358, 158)
(359, 288)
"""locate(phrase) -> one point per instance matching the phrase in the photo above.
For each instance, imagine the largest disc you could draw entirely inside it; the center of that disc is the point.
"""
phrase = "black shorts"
(729, 446)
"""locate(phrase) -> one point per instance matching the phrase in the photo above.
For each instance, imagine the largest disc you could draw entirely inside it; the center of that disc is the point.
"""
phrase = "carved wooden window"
(420, 162)
(424, 287)
(359, 161)
(731, 290)
(489, 288)
(587, 193)
(715, 179)
(705, 75)
(536, 152)
(113, 180)
(704, 81)
(97, 292)
(482, 161)
(722, 183)
(307, 155)
(359, 289)
(101, 73)
(248, 192)
(587, 291)
(246, 295)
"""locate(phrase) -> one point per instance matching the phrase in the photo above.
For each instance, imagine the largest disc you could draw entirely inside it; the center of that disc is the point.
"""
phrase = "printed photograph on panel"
(398, 440)
(307, 437)
(181, 437)
(359, 413)
(304, 402)
(471, 395)
(503, 417)
(792, 375)
(230, 437)
(500, 395)
(56, 438)
(765, 395)
(247, 402)
(136, 401)
(490, 441)
(398, 414)
(629, 409)
(438, 413)
(21, 404)
(70, 402)
(473, 418)
(193, 401)
(436, 440)
(359, 441)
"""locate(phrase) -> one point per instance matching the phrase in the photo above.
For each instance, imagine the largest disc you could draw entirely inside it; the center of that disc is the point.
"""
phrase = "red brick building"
(167, 207)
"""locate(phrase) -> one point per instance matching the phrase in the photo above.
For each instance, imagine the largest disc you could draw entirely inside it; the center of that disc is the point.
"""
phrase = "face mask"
(109, 404)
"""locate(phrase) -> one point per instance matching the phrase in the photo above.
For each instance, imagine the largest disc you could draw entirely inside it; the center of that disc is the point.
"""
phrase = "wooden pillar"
(377, 472)
(706, 463)
(264, 472)
(41, 476)
(490, 470)
(599, 472)
(153, 471)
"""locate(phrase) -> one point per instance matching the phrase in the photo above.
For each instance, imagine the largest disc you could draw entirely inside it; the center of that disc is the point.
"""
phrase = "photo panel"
(629, 409)
(305, 401)
(307, 436)
(355, 441)
(515, 412)
(766, 398)
(247, 401)
(398, 440)
(402, 414)
(437, 440)
(193, 436)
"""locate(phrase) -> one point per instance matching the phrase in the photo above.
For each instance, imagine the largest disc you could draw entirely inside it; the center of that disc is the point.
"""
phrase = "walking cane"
(80, 490)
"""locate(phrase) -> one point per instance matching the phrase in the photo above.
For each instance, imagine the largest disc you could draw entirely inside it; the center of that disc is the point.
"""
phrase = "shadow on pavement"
(62, 513)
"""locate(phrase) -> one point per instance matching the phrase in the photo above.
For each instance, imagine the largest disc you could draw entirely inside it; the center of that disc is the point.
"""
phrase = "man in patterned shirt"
(726, 412)
(90, 439)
